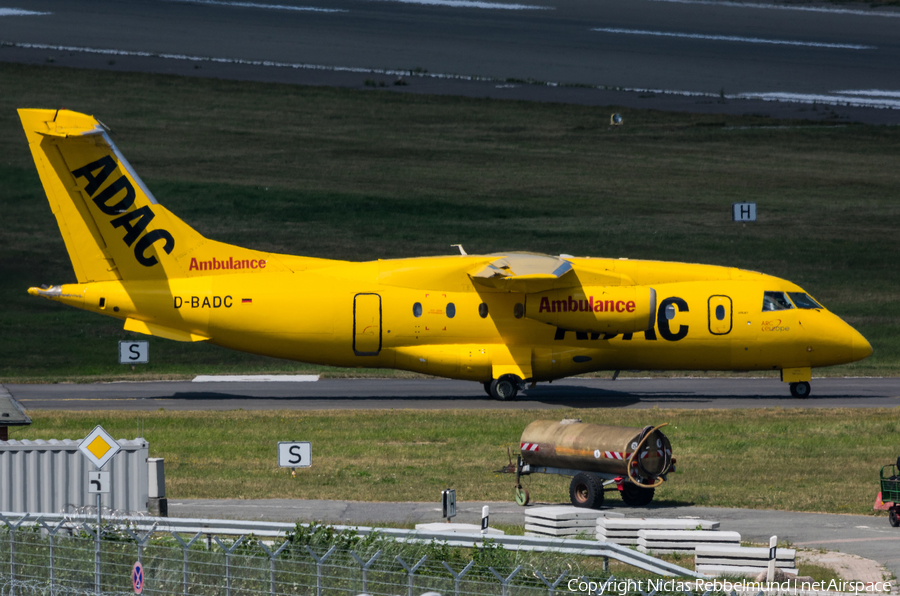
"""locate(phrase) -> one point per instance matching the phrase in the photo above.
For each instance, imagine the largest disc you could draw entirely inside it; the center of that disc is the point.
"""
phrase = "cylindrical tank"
(574, 445)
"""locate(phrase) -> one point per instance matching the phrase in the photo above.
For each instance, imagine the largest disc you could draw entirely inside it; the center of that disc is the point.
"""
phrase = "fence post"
(412, 570)
(551, 587)
(228, 552)
(184, 548)
(503, 582)
(12, 546)
(272, 563)
(141, 542)
(457, 576)
(51, 533)
(602, 589)
(319, 566)
(364, 568)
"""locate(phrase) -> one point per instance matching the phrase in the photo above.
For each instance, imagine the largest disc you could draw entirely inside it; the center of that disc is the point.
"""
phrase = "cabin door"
(720, 316)
(366, 324)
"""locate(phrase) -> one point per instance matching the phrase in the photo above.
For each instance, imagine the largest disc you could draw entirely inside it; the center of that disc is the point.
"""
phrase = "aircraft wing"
(527, 272)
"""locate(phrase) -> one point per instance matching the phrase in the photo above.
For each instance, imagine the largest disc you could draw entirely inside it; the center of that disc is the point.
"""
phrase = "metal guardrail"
(263, 529)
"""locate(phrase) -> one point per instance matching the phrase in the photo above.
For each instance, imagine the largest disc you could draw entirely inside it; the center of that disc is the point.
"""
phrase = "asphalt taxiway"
(692, 393)
(784, 60)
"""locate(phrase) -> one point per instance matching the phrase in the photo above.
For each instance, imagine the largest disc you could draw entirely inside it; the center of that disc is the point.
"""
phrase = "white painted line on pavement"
(255, 379)
(813, 44)
(472, 4)
(255, 5)
(870, 93)
(717, 3)
(20, 12)
(837, 99)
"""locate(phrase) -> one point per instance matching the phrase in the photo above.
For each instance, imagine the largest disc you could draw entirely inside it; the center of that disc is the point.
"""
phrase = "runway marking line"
(256, 5)
(718, 4)
(761, 40)
(20, 12)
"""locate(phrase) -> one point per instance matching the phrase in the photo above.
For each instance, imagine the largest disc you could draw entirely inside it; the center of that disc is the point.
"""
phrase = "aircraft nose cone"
(859, 347)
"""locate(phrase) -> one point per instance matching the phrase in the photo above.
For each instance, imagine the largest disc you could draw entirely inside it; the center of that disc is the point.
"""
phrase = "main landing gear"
(504, 389)
(800, 390)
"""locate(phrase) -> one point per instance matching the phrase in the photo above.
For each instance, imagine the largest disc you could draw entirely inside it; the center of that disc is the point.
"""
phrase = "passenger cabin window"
(776, 301)
(802, 300)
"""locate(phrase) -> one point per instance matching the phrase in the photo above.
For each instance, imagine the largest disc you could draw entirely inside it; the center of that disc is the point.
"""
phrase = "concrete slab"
(454, 528)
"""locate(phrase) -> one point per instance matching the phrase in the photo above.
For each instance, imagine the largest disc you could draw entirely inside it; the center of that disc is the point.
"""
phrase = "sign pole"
(98, 447)
(773, 550)
(97, 551)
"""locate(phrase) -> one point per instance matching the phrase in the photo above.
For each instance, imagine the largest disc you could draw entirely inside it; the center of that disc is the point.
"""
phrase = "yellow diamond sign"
(99, 447)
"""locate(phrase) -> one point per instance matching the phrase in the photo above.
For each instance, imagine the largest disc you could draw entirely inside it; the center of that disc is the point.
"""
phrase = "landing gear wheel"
(586, 491)
(894, 518)
(505, 388)
(636, 496)
(487, 388)
(522, 496)
(800, 390)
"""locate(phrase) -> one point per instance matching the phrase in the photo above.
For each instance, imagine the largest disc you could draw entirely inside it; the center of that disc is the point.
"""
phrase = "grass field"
(795, 460)
(375, 174)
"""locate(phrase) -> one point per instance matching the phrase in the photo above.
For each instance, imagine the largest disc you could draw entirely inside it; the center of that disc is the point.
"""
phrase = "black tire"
(636, 496)
(487, 388)
(505, 388)
(800, 390)
(586, 491)
(894, 518)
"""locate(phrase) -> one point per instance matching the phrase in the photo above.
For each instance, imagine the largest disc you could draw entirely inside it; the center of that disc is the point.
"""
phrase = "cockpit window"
(802, 300)
(776, 301)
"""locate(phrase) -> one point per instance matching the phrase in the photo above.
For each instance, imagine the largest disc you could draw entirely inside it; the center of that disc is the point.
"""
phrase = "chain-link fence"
(66, 558)
(73, 558)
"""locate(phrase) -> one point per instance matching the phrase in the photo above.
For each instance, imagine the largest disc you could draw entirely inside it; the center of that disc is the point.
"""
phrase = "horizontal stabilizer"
(159, 331)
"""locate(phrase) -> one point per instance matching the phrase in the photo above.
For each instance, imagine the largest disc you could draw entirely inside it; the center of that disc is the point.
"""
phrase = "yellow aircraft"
(502, 320)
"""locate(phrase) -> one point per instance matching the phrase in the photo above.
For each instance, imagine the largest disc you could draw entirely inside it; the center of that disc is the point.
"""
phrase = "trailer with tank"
(632, 461)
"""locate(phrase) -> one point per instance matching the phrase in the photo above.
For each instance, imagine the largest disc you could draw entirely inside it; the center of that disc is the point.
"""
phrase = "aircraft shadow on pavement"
(576, 397)
(561, 395)
(566, 396)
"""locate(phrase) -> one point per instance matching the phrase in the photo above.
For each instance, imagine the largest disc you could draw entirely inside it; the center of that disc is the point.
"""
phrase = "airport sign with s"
(294, 454)
(134, 352)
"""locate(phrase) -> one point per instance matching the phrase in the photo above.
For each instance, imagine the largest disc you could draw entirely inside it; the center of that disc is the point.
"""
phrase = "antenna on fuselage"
(461, 250)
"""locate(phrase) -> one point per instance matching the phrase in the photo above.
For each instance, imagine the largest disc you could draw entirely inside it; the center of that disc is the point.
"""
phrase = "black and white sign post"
(99, 447)
(448, 503)
(294, 454)
(484, 520)
(773, 552)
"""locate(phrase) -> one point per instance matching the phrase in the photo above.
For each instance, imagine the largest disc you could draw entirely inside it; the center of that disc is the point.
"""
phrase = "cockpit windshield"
(776, 301)
(802, 300)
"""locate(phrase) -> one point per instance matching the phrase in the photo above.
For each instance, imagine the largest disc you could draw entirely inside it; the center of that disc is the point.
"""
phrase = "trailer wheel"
(586, 490)
(636, 496)
(894, 518)
(522, 496)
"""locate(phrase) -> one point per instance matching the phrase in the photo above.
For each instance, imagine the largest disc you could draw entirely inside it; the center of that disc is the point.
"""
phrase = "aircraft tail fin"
(113, 227)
